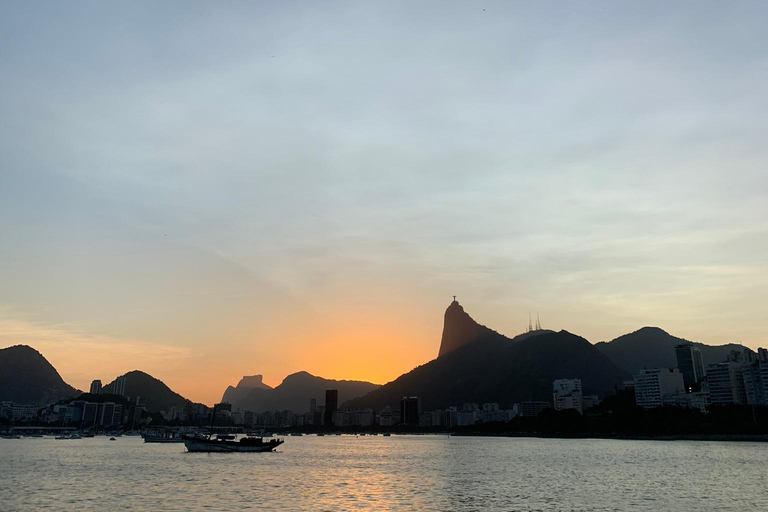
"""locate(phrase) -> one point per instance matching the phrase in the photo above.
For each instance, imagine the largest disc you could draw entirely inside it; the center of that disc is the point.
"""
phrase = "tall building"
(331, 404)
(726, 383)
(312, 406)
(691, 365)
(410, 408)
(654, 388)
(567, 394)
(119, 386)
(95, 387)
(532, 409)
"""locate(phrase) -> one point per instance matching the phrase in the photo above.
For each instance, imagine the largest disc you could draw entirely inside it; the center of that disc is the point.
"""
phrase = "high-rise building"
(119, 386)
(312, 406)
(691, 365)
(726, 383)
(95, 387)
(567, 394)
(532, 409)
(410, 408)
(331, 404)
(654, 388)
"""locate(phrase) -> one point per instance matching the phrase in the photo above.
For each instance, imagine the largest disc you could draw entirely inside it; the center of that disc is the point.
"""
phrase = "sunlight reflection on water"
(385, 473)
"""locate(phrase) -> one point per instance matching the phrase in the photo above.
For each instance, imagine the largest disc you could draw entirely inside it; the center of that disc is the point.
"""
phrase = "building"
(385, 417)
(653, 387)
(532, 409)
(119, 388)
(691, 365)
(95, 387)
(410, 408)
(567, 394)
(331, 404)
(589, 401)
(312, 406)
(726, 383)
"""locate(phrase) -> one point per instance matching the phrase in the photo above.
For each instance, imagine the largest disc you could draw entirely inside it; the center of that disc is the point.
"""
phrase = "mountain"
(158, 396)
(246, 384)
(295, 392)
(26, 377)
(460, 329)
(495, 368)
(651, 347)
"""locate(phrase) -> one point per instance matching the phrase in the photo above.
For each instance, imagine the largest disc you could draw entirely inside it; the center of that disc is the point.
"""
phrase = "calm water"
(386, 473)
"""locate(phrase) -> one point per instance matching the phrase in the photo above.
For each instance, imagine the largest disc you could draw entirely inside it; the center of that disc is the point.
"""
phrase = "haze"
(209, 190)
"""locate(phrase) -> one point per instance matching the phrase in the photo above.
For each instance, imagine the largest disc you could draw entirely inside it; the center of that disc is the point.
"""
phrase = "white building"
(654, 388)
(567, 394)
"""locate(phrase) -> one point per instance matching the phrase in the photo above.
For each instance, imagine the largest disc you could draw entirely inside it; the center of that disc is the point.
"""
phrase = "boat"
(68, 436)
(112, 439)
(162, 437)
(386, 434)
(11, 436)
(214, 444)
(296, 434)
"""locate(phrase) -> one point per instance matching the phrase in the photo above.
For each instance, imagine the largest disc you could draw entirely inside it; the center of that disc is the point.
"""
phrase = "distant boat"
(11, 436)
(112, 439)
(244, 444)
(73, 435)
(162, 437)
(320, 434)
(296, 434)
(386, 434)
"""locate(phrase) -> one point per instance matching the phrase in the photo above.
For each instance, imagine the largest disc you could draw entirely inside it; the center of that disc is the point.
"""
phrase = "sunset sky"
(209, 190)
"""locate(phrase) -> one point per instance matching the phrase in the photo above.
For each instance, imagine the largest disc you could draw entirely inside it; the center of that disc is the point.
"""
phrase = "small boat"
(11, 436)
(386, 434)
(112, 439)
(296, 434)
(162, 437)
(214, 444)
(320, 434)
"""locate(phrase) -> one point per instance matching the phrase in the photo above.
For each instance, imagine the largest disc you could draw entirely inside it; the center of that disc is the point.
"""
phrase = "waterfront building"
(653, 387)
(449, 417)
(726, 383)
(532, 409)
(589, 401)
(385, 417)
(95, 387)
(331, 404)
(691, 365)
(119, 388)
(312, 406)
(567, 394)
(410, 408)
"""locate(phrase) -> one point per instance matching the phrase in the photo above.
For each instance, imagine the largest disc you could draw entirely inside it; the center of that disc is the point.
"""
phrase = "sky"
(206, 190)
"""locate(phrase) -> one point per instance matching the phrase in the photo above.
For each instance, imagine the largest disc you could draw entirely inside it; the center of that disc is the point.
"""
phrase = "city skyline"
(196, 191)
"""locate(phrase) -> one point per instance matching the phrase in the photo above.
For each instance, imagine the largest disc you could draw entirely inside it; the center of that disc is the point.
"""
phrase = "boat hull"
(205, 445)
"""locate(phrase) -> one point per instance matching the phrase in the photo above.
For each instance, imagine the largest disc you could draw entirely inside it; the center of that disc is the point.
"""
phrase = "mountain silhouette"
(460, 329)
(157, 396)
(494, 368)
(246, 384)
(26, 377)
(651, 347)
(295, 392)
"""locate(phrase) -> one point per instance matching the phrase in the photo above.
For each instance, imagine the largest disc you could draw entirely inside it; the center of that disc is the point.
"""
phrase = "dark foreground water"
(386, 473)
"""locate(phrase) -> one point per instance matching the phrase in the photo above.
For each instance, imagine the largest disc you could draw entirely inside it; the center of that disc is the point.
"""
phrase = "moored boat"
(244, 444)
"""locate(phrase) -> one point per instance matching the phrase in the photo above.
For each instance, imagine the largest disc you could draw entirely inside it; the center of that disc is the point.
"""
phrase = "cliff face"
(459, 329)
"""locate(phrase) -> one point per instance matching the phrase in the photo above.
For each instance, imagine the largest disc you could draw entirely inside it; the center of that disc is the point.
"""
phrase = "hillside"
(651, 347)
(26, 377)
(296, 391)
(505, 373)
(158, 396)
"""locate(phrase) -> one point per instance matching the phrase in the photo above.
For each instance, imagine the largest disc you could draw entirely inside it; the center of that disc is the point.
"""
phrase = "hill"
(246, 384)
(158, 396)
(651, 347)
(26, 377)
(295, 392)
(495, 368)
